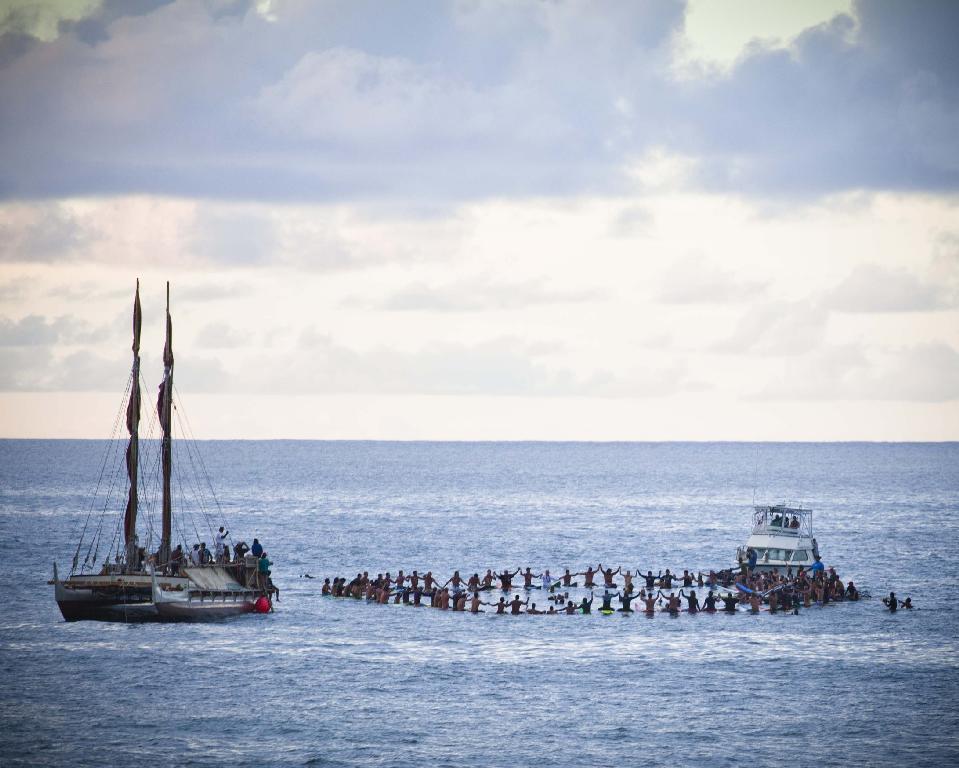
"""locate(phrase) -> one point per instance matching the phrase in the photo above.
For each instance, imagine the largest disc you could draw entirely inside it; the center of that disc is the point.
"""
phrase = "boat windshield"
(782, 519)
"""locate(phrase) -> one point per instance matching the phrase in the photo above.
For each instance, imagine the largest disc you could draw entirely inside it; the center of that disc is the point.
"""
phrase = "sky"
(484, 220)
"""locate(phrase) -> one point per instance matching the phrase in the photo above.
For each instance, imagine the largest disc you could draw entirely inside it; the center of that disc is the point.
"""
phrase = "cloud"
(916, 373)
(478, 294)
(783, 328)
(460, 101)
(871, 288)
(37, 331)
(695, 280)
(220, 336)
(45, 232)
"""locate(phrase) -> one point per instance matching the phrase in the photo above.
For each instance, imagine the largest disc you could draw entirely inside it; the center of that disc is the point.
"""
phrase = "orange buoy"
(262, 605)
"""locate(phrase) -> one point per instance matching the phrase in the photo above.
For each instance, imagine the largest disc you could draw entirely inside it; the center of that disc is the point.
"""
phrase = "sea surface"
(324, 682)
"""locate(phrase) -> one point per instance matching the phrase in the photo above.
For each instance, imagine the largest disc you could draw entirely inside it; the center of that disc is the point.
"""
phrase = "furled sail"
(165, 412)
(133, 447)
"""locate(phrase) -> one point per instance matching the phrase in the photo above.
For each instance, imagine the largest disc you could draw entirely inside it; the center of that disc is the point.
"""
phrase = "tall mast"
(165, 409)
(133, 447)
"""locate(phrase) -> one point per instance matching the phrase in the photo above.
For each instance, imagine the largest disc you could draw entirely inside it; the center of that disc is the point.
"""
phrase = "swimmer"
(608, 600)
(326, 590)
(551, 611)
(528, 577)
(547, 580)
(709, 602)
(501, 606)
(891, 602)
(473, 584)
(608, 575)
(729, 603)
(625, 599)
(650, 580)
(532, 610)
(488, 580)
(587, 605)
(567, 578)
(907, 603)
(650, 602)
(515, 605)
(672, 604)
(588, 574)
(569, 609)
(456, 580)
(506, 579)
(475, 602)
(692, 602)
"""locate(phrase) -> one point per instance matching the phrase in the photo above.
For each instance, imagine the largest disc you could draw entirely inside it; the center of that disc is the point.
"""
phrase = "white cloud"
(872, 288)
(480, 293)
(785, 328)
(696, 280)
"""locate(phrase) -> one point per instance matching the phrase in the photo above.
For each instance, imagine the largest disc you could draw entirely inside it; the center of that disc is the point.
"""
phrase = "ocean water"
(326, 682)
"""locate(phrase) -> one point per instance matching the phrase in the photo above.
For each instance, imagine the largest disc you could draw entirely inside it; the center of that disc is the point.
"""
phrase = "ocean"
(324, 682)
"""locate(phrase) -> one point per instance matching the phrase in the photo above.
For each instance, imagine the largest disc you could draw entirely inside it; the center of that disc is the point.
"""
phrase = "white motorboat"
(782, 538)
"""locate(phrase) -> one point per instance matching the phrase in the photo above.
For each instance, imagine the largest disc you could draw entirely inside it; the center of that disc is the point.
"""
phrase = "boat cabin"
(781, 537)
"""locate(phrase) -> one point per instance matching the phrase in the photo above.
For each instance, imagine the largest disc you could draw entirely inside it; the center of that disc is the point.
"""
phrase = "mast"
(165, 411)
(133, 447)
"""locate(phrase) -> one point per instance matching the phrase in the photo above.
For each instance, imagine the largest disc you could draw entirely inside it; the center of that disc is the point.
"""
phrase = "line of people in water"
(647, 593)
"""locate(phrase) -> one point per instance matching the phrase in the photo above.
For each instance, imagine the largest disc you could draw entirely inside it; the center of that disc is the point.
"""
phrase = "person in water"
(626, 598)
(891, 602)
(587, 605)
(588, 577)
(528, 577)
(730, 602)
(608, 600)
(515, 605)
(506, 579)
(608, 575)
(692, 602)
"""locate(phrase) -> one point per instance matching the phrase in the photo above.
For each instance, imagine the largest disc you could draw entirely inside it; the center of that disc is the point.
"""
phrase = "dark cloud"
(452, 101)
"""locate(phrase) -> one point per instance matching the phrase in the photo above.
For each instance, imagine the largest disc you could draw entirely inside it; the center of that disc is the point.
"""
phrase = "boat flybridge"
(781, 537)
